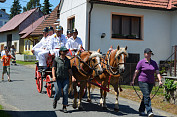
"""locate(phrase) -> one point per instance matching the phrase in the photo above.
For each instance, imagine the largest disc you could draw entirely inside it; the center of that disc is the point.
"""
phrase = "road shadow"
(31, 113)
(124, 110)
(5, 81)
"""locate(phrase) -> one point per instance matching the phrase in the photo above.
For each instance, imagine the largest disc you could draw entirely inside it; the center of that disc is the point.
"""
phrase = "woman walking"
(146, 69)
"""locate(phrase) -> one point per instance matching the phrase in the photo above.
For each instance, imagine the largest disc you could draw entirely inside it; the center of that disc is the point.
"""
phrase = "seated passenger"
(41, 49)
(57, 40)
(74, 43)
(68, 34)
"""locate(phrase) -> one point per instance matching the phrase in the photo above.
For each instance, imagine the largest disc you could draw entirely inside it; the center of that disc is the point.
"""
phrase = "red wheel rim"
(38, 80)
(49, 86)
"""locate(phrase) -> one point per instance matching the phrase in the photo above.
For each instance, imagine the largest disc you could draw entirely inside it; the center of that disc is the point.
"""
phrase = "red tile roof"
(163, 4)
(26, 32)
(16, 21)
(49, 21)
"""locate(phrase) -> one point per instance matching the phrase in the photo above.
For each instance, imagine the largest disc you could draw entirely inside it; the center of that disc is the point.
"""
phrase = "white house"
(136, 24)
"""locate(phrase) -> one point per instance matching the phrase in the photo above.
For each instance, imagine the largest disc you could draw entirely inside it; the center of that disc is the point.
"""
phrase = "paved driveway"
(21, 99)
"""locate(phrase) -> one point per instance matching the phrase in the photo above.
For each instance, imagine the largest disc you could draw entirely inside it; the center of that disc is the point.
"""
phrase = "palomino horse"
(83, 66)
(113, 65)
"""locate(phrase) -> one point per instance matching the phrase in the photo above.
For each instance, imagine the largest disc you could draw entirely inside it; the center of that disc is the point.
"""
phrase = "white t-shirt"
(56, 42)
(74, 43)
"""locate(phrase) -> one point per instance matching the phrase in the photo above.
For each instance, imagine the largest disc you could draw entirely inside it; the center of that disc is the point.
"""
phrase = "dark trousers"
(146, 89)
(59, 84)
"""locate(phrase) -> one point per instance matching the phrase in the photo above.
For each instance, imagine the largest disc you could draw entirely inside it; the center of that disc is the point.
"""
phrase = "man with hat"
(41, 49)
(57, 40)
(60, 74)
(74, 43)
(68, 34)
(145, 70)
(51, 31)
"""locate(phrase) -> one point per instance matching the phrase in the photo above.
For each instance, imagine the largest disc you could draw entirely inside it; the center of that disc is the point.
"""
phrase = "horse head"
(90, 61)
(95, 61)
(117, 60)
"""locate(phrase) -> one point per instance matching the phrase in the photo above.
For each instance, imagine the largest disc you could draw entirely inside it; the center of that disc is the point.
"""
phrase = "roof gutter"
(89, 26)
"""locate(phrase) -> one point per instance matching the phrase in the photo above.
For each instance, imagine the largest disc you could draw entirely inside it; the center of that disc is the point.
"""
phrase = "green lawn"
(3, 113)
(25, 63)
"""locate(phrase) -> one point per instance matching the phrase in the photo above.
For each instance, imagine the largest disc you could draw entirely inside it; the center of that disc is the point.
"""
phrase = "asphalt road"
(21, 99)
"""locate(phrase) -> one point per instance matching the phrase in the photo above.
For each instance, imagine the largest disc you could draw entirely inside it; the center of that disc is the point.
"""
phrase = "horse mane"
(120, 51)
(94, 54)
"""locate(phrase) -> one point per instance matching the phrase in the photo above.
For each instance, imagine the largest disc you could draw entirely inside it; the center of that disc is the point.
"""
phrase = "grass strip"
(25, 62)
(3, 113)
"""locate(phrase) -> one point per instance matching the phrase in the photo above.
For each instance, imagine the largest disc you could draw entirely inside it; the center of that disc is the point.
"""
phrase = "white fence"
(23, 57)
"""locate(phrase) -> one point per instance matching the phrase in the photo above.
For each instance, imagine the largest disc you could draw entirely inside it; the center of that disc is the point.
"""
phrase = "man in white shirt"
(68, 34)
(57, 40)
(74, 43)
(41, 49)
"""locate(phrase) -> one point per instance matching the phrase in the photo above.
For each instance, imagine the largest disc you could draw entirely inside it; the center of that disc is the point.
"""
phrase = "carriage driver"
(74, 43)
(57, 40)
(41, 49)
(60, 74)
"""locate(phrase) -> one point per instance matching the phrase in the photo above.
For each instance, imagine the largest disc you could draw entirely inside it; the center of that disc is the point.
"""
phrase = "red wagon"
(45, 76)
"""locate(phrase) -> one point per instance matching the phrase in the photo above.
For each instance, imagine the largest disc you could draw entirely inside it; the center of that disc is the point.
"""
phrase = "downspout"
(88, 46)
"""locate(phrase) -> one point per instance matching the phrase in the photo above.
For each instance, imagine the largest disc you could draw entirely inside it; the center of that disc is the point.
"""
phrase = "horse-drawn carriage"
(89, 67)
(42, 76)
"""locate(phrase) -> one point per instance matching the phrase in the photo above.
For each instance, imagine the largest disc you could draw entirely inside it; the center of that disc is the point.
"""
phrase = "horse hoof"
(81, 108)
(89, 100)
(104, 108)
(116, 110)
(74, 106)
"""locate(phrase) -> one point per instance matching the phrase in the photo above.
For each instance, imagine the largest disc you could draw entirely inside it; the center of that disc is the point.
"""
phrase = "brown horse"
(113, 65)
(83, 66)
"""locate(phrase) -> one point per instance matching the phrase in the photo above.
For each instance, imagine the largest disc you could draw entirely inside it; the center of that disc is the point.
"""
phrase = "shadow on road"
(32, 113)
(94, 106)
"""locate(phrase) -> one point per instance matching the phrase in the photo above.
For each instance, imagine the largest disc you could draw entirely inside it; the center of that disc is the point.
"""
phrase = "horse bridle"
(109, 67)
(82, 61)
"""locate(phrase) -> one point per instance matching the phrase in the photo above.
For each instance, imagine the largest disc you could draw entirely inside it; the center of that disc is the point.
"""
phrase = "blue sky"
(7, 5)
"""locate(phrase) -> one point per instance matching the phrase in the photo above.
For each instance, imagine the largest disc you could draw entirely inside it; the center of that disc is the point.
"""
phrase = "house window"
(29, 43)
(26, 44)
(126, 27)
(0, 15)
(71, 23)
(15, 45)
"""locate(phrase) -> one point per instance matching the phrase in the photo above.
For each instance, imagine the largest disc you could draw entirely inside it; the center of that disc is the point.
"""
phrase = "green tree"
(31, 5)
(46, 8)
(15, 8)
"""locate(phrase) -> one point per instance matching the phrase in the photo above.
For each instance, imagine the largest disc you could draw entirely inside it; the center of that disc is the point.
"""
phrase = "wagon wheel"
(49, 87)
(39, 81)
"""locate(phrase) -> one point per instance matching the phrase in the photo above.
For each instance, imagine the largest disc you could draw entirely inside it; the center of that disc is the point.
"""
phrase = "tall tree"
(31, 5)
(46, 8)
(15, 8)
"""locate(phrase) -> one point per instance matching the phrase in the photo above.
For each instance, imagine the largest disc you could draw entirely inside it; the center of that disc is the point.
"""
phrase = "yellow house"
(28, 40)
(33, 34)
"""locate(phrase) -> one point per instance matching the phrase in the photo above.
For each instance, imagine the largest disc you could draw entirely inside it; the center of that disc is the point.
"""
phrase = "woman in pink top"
(146, 69)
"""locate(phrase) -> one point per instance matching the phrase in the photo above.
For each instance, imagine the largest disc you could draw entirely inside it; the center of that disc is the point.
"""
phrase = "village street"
(21, 99)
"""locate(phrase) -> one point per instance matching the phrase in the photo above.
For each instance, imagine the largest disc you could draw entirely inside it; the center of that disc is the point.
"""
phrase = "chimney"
(4, 10)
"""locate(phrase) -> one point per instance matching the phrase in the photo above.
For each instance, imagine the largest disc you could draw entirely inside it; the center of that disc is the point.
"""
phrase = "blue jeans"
(146, 89)
(59, 84)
